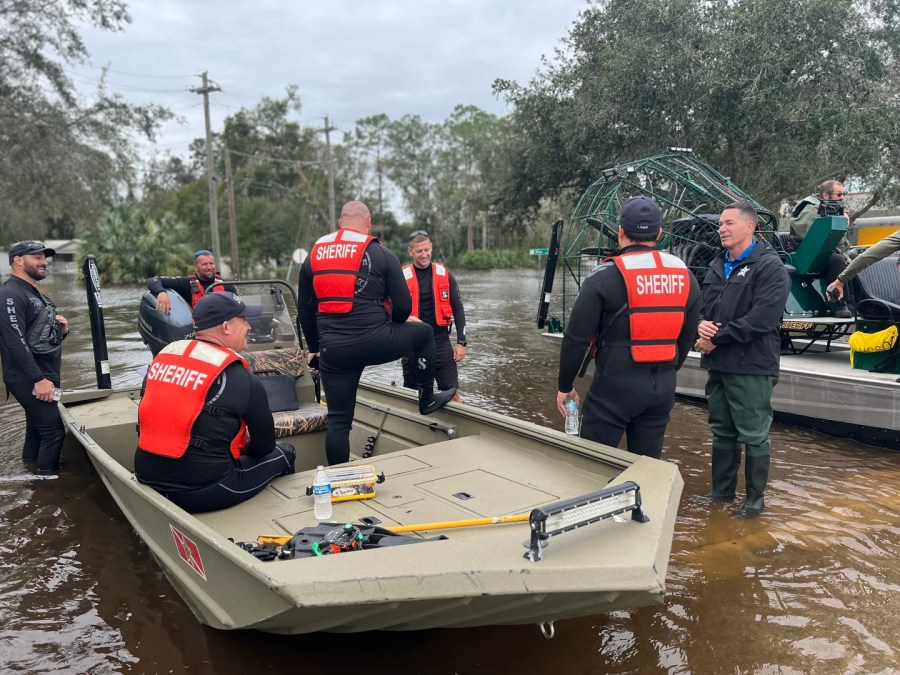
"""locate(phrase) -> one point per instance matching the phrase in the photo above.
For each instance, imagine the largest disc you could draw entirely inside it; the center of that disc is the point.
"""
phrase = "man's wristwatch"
(462, 342)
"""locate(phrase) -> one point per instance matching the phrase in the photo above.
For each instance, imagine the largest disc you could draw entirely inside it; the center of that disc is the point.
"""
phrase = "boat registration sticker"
(188, 551)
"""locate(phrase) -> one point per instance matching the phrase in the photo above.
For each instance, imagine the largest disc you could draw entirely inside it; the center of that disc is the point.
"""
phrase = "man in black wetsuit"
(192, 287)
(31, 334)
(353, 304)
(639, 311)
(437, 302)
(200, 403)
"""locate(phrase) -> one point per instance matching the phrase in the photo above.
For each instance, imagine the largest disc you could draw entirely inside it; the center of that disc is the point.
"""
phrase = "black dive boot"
(725, 464)
(429, 402)
(757, 475)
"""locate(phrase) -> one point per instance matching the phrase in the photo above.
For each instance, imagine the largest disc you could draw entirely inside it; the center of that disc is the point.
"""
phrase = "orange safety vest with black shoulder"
(335, 260)
(197, 291)
(440, 285)
(658, 286)
(178, 380)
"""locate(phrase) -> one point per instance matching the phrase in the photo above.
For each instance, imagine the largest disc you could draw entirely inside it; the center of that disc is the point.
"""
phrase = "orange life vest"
(440, 285)
(197, 291)
(335, 260)
(658, 287)
(178, 380)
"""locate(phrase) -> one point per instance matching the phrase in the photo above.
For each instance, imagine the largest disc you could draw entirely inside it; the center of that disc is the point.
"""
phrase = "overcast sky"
(349, 59)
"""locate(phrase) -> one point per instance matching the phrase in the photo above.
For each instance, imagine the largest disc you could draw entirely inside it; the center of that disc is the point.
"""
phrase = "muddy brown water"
(812, 586)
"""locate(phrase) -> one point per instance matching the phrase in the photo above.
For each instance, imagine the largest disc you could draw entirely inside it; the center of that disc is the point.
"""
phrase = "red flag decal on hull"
(188, 551)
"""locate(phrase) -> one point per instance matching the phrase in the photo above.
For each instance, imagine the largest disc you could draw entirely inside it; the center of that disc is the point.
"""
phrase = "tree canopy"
(63, 156)
(778, 94)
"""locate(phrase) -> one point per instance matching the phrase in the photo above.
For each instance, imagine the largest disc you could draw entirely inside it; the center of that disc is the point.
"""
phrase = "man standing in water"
(435, 301)
(31, 335)
(744, 294)
(353, 304)
(638, 309)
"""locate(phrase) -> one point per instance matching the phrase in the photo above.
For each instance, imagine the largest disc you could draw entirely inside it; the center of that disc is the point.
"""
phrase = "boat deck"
(463, 478)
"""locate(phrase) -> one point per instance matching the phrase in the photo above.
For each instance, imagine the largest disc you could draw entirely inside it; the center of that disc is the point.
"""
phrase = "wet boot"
(429, 402)
(726, 460)
(757, 475)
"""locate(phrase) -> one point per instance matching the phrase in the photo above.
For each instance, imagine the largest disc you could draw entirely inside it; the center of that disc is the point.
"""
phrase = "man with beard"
(192, 287)
(31, 335)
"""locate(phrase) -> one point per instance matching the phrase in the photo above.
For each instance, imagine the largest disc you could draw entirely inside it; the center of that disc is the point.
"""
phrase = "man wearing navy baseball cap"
(635, 315)
(207, 437)
(31, 335)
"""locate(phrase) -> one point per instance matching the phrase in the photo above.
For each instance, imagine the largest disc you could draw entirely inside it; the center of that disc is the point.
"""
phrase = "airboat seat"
(879, 281)
(786, 241)
(282, 369)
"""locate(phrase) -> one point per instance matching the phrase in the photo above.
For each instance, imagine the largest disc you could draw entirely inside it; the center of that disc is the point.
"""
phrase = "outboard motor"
(158, 329)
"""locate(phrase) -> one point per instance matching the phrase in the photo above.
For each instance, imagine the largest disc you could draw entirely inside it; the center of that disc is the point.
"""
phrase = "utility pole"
(232, 217)
(213, 206)
(328, 129)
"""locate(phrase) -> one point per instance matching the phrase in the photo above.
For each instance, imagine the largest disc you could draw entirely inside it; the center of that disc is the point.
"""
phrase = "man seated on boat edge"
(191, 287)
(744, 295)
(890, 244)
(353, 305)
(636, 315)
(802, 216)
(199, 404)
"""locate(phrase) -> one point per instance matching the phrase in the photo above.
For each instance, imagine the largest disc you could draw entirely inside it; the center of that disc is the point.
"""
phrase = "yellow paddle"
(281, 540)
(471, 522)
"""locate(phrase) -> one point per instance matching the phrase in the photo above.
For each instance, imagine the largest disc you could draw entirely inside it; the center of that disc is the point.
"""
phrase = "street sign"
(539, 251)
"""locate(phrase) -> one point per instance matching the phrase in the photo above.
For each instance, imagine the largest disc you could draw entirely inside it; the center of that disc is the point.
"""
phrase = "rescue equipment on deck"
(352, 482)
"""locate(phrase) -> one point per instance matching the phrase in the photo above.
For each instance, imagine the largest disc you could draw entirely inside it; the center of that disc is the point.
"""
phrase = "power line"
(122, 72)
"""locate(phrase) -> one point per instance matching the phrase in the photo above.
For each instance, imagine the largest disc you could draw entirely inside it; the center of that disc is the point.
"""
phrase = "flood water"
(812, 586)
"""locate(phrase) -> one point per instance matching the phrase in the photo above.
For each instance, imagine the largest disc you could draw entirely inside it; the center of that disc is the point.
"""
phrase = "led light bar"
(570, 514)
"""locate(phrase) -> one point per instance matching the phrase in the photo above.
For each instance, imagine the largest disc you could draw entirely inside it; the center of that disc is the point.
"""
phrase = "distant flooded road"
(812, 586)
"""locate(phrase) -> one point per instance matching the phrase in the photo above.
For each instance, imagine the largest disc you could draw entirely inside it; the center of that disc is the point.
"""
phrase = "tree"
(63, 158)
(130, 246)
(778, 94)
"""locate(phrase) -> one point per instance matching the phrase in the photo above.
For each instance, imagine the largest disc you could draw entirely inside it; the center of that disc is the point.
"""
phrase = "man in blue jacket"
(744, 294)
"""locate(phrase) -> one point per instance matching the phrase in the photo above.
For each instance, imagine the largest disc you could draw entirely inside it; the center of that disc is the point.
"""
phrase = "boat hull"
(475, 576)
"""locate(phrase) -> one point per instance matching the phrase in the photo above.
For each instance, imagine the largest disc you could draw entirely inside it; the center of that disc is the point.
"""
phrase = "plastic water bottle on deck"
(322, 494)
(573, 423)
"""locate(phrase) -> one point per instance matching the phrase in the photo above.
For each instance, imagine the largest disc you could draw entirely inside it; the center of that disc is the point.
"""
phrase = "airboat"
(818, 387)
(474, 519)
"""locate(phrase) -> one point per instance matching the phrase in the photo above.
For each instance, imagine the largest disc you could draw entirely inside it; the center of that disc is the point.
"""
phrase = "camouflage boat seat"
(299, 417)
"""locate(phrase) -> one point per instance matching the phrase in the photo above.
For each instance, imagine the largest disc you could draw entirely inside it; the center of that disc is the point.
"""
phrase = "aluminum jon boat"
(595, 533)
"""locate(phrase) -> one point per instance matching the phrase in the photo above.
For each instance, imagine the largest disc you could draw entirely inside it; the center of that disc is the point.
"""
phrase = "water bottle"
(322, 494)
(573, 425)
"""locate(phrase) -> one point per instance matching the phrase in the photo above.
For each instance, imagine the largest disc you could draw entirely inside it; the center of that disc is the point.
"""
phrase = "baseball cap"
(29, 247)
(640, 215)
(215, 308)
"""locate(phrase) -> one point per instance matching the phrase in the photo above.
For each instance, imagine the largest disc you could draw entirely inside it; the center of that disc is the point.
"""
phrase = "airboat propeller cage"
(158, 329)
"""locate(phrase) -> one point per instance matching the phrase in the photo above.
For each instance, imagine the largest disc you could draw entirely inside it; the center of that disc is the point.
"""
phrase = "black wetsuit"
(207, 477)
(625, 397)
(365, 336)
(22, 306)
(446, 372)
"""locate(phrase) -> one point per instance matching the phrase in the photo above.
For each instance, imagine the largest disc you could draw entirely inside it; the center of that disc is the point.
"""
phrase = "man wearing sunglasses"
(802, 217)
(436, 302)
(192, 287)
(31, 335)
(353, 305)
